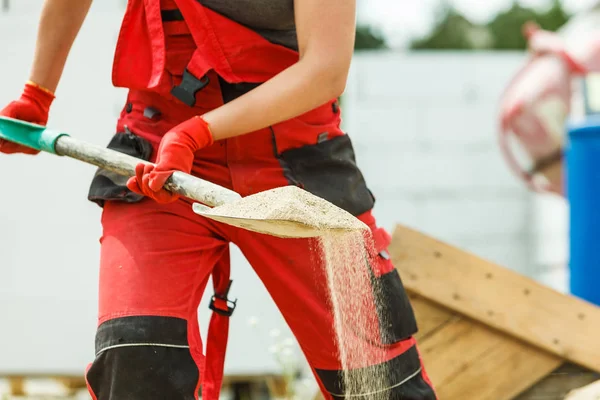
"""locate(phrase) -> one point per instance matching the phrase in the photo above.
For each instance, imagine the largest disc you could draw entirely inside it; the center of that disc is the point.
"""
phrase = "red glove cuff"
(195, 132)
(39, 95)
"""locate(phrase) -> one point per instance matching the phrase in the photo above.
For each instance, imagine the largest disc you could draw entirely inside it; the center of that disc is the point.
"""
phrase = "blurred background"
(421, 106)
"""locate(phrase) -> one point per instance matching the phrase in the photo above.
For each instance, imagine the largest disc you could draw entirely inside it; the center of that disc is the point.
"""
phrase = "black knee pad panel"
(397, 319)
(401, 379)
(143, 357)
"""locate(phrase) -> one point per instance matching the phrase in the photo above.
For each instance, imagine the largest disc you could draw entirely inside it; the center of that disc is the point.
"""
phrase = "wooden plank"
(560, 383)
(73, 384)
(279, 387)
(468, 360)
(430, 316)
(16, 385)
(589, 392)
(504, 370)
(498, 297)
(453, 348)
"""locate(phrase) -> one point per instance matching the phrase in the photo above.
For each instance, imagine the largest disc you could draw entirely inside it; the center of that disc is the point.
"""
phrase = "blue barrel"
(583, 194)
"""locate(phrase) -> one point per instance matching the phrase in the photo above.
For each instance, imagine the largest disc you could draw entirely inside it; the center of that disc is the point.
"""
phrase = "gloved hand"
(175, 153)
(33, 106)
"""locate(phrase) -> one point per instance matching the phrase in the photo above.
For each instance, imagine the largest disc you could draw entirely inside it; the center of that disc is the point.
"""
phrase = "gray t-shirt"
(272, 19)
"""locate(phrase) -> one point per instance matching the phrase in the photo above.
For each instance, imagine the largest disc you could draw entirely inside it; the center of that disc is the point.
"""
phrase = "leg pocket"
(107, 185)
(328, 170)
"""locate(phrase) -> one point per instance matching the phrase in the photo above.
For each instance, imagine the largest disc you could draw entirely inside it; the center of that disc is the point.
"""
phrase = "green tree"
(454, 31)
(555, 17)
(506, 27)
(451, 32)
(368, 38)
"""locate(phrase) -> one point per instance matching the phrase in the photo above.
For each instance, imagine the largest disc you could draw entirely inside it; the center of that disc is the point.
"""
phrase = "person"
(538, 99)
(242, 93)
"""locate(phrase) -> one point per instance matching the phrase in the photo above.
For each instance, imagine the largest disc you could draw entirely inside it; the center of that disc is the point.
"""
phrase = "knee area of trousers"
(400, 378)
(141, 331)
(142, 357)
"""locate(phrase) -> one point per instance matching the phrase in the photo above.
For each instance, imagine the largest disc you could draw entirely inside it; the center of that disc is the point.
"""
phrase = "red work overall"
(156, 259)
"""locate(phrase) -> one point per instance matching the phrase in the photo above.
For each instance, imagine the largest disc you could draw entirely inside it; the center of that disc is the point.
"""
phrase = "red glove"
(175, 153)
(33, 106)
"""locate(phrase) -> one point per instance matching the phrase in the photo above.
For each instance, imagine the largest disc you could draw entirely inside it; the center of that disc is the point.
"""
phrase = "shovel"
(287, 212)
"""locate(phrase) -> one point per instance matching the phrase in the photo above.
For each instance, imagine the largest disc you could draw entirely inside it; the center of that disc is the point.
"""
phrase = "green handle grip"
(31, 135)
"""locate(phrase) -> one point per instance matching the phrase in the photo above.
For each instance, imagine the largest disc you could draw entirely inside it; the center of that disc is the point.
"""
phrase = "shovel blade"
(273, 227)
(286, 212)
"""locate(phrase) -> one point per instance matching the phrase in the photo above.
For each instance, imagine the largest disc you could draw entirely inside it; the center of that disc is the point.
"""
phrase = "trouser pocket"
(108, 185)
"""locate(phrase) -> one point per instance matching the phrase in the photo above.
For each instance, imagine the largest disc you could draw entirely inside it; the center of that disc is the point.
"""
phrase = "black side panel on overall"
(397, 319)
(328, 170)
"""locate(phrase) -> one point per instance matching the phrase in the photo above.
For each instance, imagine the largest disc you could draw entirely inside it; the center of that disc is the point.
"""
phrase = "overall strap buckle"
(220, 304)
(189, 86)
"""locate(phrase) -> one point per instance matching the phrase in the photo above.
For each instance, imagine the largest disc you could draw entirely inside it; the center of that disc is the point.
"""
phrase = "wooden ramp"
(489, 333)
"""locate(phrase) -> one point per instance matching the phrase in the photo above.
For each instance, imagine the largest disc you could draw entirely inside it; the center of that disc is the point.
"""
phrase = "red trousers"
(156, 261)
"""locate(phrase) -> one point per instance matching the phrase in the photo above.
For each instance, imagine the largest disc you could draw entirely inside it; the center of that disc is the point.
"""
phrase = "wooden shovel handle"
(181, 183)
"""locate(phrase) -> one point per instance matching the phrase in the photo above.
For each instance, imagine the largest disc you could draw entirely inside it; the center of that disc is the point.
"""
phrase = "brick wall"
(424, 128)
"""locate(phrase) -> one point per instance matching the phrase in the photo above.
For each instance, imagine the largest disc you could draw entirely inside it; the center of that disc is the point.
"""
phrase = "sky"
(400, 20)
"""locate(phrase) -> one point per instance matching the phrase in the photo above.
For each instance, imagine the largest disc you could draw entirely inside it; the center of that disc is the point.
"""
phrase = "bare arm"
(59, 25)
(326, 31)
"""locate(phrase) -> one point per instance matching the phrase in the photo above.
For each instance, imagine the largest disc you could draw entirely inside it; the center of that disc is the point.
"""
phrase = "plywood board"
(501, 371)
(498, 297)
(430, 316)
(566, 379)
(589, 392)
(468, 360)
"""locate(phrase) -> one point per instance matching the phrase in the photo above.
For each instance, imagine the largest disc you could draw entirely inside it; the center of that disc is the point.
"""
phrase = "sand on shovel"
(343, 240)
(287, 211)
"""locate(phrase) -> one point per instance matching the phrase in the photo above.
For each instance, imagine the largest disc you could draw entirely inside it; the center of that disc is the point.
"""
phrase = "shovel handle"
(54, 142)
(181, 183)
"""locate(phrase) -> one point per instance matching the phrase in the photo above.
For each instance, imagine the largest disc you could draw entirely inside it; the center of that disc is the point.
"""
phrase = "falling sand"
(342, 244)
(357, 326)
